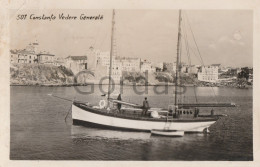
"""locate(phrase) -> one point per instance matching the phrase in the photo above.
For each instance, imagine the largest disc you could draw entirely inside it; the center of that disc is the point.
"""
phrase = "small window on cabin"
(180, 112)
(190, 112)
(183, 112)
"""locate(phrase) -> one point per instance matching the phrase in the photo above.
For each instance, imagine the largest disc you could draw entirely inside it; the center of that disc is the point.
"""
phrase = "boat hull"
(170, 133)
(89, 117)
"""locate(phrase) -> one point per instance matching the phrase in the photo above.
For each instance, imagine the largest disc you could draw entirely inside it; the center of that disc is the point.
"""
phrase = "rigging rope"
(188, 53)
(187, 19)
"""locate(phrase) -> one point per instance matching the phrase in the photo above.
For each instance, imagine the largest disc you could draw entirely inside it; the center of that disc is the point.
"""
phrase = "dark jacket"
(119, 105)
(145, 104)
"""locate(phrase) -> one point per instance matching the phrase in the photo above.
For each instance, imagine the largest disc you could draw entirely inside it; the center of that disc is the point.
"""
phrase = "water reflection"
(85, 132)
(144, 145)
(38, 130)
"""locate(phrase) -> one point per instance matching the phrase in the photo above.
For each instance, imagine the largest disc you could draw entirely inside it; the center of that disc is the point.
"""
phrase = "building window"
(30, 57)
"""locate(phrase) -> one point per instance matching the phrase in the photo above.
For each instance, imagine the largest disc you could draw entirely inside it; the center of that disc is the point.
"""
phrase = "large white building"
(31, 55)
(103, 58)
(23, 56)
(119, 64)
(147, 66)
(129, 63)
(208, 73)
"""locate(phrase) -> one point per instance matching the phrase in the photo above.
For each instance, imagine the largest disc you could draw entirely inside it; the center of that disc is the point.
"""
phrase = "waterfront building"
(92, 55)
(59, 61)
(23, 56)
(147, 66)
(30, 55)
(117, 68)
(208, 73)
(33, 47)
(119, 64)
(184, 68)
(125, 63)
(45, 58)
(169, 67)
(158, 67)
(13, 56)
(103, 58)
(76, 63)
(130, 63)
(193, 69)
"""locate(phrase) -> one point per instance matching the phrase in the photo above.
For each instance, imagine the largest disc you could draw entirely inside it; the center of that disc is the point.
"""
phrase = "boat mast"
(177, 61)
(111, 52)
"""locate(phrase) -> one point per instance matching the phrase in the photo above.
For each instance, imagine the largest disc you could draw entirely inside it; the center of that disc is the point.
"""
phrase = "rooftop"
(215, 64)
(21, 52)
(126, 58)
(77, 57)
(45, 54)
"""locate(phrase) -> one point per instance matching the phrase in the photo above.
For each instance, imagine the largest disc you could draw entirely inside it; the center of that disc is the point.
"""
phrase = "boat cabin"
(185, 113)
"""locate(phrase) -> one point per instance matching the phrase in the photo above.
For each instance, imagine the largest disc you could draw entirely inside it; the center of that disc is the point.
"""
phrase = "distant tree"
(244, 73)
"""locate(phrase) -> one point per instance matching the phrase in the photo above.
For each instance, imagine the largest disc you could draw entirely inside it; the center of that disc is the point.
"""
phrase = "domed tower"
(33, 47)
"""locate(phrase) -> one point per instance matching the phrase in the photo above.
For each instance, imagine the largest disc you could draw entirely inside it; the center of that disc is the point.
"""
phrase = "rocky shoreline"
(54, 76)
(165, 84)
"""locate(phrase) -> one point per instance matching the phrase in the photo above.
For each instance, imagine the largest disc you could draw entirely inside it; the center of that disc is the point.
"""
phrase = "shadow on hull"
(94, 125)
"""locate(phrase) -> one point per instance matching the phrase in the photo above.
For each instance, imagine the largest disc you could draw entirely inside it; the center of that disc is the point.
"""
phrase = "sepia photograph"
(131, 84)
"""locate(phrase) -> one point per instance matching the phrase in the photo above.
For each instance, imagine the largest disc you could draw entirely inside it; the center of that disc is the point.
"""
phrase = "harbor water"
(40, 132)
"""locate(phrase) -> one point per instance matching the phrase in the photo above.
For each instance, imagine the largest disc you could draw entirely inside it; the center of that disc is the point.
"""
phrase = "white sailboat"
(180, 117)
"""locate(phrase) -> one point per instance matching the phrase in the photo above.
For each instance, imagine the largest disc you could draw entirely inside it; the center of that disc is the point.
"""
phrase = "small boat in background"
(169, 133)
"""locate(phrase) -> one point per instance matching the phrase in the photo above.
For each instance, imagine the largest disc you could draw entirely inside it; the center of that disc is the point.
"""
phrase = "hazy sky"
(223, 36)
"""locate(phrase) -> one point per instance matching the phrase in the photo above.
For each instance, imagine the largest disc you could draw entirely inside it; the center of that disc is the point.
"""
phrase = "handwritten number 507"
(21, 17)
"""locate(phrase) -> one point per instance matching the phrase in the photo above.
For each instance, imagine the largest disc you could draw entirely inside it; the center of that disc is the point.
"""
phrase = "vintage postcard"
(90, 84)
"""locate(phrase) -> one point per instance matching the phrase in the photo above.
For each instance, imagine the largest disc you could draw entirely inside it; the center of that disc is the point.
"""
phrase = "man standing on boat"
(119, 105)
(145, 106)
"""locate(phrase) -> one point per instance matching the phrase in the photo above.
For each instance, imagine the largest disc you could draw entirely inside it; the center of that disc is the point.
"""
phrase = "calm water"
(39, 132)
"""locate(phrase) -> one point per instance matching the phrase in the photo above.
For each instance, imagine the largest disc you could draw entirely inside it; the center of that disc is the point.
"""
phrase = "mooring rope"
(68, 113)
